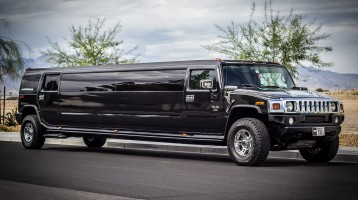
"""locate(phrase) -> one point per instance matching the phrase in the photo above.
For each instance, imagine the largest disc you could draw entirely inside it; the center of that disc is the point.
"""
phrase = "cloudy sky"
(176, 29)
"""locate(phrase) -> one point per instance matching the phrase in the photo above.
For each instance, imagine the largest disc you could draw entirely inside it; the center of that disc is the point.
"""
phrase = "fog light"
(336, 120)
(291, 120)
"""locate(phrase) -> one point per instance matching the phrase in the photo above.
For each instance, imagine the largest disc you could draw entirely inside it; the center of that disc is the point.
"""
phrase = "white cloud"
(175, 30)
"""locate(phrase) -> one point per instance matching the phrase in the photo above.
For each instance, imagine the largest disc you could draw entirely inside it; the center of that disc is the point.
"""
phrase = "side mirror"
(206, 84)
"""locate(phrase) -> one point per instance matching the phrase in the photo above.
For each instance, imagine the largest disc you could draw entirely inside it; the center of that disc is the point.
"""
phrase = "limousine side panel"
(124, 100)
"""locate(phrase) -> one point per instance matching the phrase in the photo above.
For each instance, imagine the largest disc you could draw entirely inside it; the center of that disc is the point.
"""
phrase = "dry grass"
(349, 140)
(348, 137)
(350, 101)
(9, 105)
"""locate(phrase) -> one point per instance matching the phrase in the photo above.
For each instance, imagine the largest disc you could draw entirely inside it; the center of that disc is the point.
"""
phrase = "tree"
(90, 45)
(289, 40)
(319, 90)
(11, 61)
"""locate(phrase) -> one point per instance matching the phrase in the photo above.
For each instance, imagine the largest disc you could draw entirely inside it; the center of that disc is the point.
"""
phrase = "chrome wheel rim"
(28, 133)
(243, 143)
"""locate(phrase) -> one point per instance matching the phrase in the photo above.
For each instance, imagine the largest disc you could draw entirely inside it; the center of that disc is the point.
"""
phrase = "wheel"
(94, 142)
(32, 132)
(248, 142)
(326, 152)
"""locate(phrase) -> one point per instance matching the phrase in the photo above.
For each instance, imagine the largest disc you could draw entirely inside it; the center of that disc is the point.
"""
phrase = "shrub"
(4, 128)
(12, 98)
(319, 90)
(10, 118)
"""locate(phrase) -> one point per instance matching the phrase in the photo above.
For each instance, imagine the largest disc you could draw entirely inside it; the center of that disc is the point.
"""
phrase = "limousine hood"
(278, 94)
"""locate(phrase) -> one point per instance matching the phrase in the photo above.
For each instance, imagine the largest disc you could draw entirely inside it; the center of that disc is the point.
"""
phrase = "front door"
(48, 98)
(204, 110)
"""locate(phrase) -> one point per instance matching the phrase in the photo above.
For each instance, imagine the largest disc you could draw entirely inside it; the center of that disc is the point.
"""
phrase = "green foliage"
(11, 61)
(289, 40)
(90, 45)
(10, 118)
(319, 90)
(4, 128)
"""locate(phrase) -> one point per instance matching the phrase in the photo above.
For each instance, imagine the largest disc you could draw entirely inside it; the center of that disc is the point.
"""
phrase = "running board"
(69, 132)
(54, 135)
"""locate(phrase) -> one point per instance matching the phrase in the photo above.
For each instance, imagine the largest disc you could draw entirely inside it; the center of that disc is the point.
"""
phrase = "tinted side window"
(50, 83)
(29, 84)
(160, 80)
(95, 82)
(197, 75)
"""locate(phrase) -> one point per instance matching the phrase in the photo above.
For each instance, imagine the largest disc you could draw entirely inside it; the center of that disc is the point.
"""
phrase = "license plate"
(318, 131)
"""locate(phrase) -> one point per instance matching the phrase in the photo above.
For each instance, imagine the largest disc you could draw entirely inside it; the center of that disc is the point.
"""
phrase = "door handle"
(41, 97)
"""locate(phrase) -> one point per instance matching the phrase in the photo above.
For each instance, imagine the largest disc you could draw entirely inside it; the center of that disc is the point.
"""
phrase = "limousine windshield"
(257, 77)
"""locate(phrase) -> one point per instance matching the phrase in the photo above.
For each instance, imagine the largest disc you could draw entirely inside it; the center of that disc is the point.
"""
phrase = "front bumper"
(305, 133)
(302, 128)
(307, 119)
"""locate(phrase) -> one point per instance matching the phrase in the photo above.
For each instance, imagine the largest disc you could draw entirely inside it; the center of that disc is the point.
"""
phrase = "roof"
(141, 66)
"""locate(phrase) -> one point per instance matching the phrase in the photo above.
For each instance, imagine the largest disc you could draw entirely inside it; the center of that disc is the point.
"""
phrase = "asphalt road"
(69, 172)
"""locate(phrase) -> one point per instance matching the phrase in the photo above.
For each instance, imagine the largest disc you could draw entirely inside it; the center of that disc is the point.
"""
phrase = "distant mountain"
(314, 78)
(14, 85)
(40, 62)
(310, 77)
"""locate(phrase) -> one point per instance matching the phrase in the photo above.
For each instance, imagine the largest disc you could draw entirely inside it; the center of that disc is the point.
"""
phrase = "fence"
(8, 101)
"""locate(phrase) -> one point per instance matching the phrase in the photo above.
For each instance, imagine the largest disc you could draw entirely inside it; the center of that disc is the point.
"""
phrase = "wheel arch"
(29, 110)
(242, 111)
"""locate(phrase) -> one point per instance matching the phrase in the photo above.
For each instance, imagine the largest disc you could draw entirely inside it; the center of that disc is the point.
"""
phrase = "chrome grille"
(313, 106)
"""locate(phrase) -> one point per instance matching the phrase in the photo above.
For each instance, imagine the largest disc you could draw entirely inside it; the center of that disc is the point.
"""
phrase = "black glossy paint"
(146, 100)
(48, 98)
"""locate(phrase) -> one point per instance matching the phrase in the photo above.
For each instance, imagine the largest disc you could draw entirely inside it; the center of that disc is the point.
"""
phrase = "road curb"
(345, 154)
(217, 150)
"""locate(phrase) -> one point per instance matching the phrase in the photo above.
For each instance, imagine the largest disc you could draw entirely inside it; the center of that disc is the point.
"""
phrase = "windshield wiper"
(271, 86)
(249, 85)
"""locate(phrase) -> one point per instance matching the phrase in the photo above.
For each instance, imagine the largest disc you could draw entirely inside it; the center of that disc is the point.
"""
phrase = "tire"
(326, 152)
(32, 132)
(94, 142)
(248, 142)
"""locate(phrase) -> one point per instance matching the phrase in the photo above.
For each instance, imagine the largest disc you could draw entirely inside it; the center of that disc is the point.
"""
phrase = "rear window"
(50, 82)
(29, 84)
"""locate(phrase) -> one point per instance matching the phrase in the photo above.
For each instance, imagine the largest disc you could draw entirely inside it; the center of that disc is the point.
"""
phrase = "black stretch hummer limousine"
(252, 107)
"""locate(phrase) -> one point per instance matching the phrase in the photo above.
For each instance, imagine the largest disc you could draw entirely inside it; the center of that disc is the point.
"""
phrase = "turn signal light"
(260, 103)
(276, 106)
(184, 134)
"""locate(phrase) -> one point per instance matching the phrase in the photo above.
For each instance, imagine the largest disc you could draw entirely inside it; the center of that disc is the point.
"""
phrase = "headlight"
(289, 106)
(334, 106)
